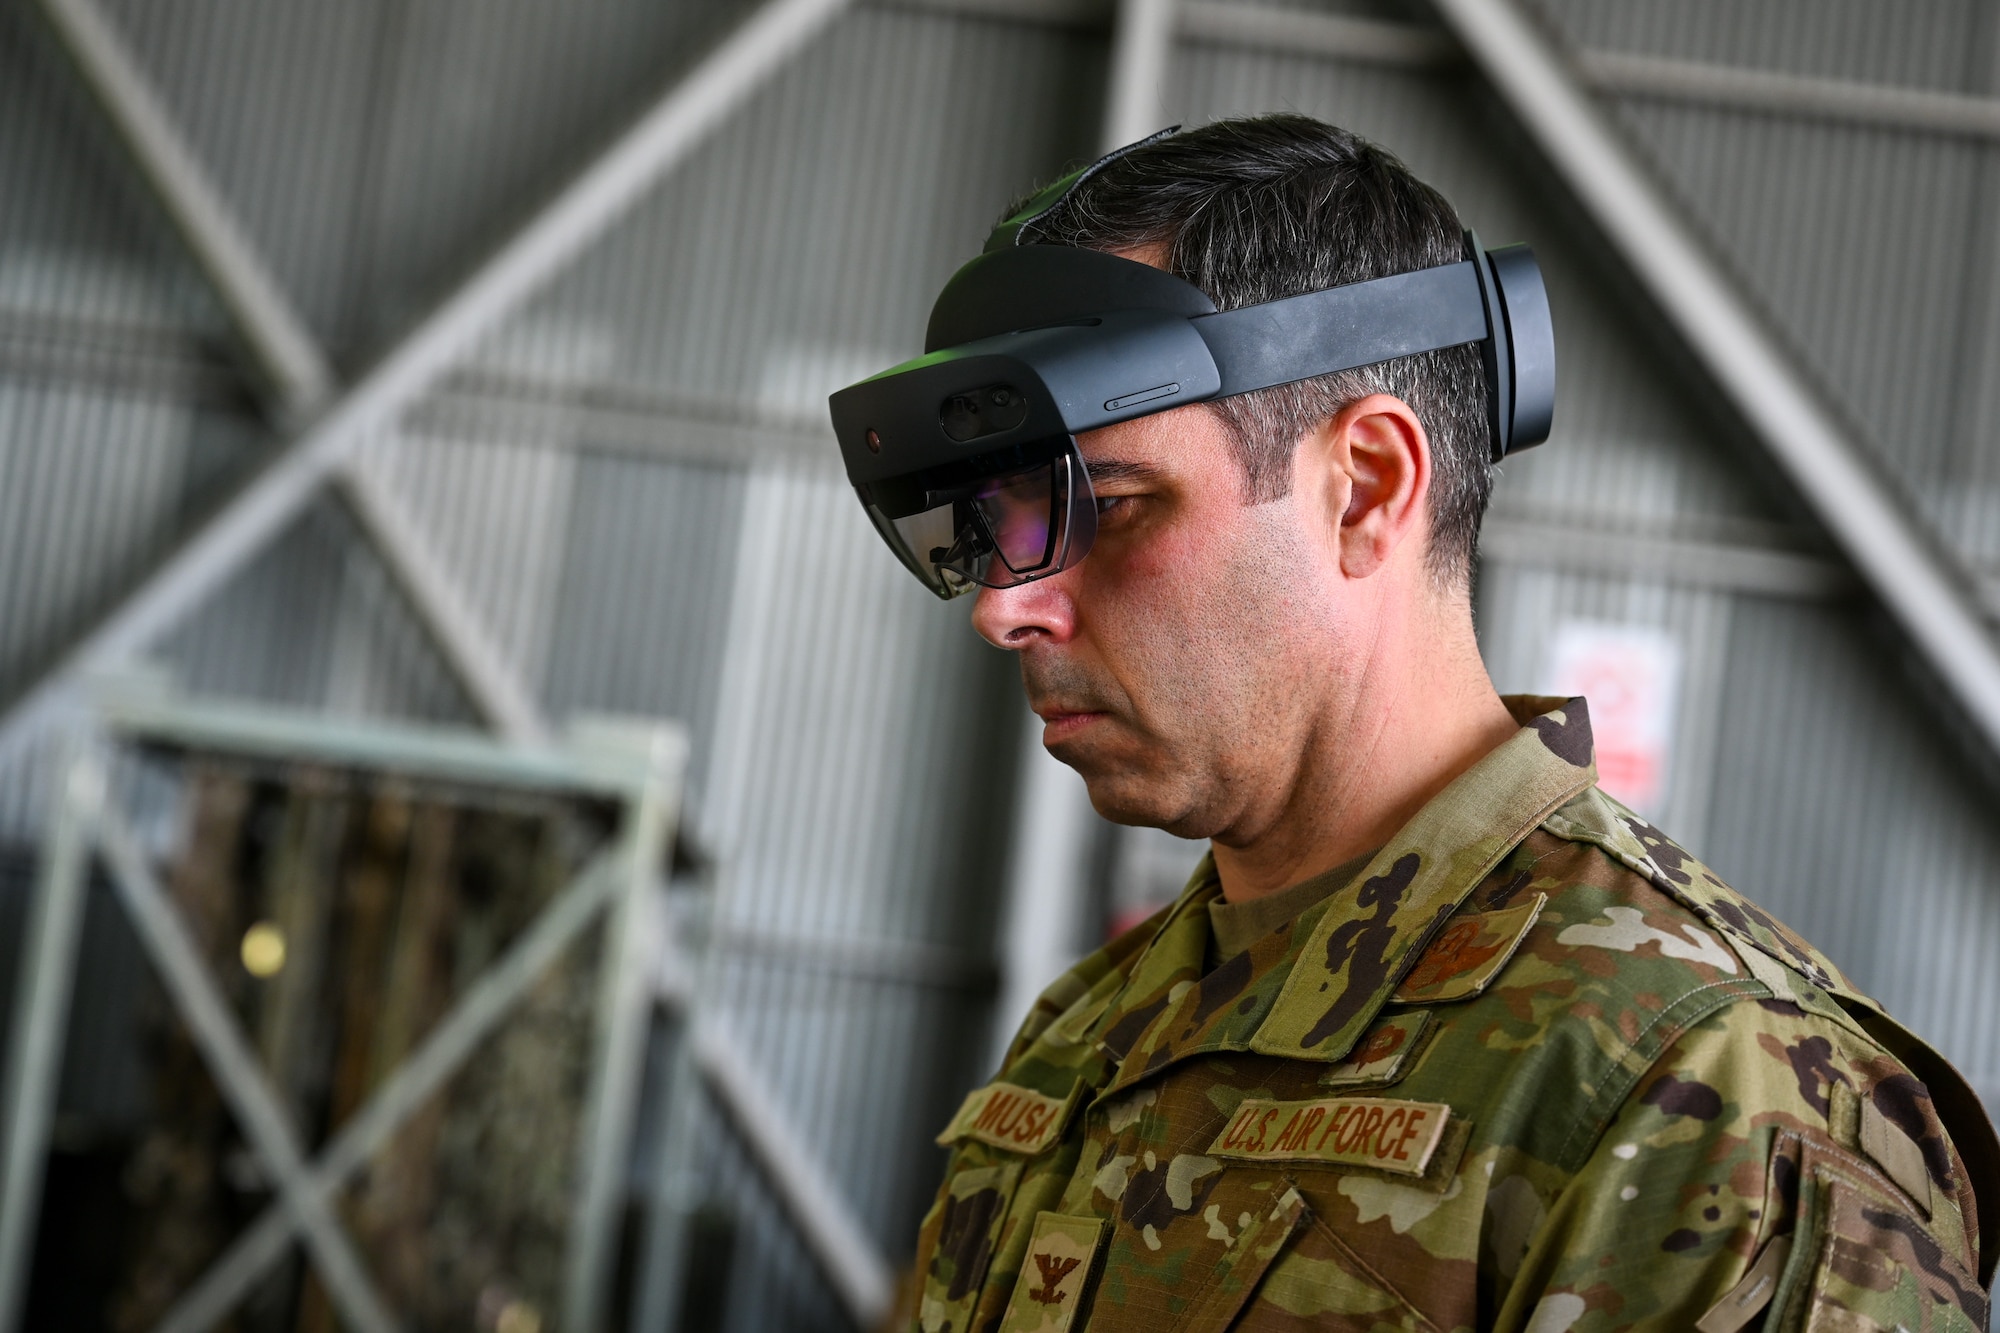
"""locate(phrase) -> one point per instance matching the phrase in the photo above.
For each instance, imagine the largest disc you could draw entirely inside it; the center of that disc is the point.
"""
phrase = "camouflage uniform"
(1534, 1069)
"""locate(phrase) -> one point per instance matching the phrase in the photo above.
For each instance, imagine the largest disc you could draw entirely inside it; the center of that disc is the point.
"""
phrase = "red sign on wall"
(1630, 674)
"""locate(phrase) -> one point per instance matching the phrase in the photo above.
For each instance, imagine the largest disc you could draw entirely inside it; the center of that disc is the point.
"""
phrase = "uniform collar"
(1311, 991)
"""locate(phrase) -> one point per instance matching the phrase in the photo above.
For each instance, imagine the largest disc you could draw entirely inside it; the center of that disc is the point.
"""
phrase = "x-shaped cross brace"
(613, 880)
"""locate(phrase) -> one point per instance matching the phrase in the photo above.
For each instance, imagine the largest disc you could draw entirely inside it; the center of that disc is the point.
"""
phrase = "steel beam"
(1732, 566)
(239, 1078)
(856, 1270)
(440, 1055)
(1878, 105)
(597, 198)
(1142, 47)
(757, 573)
(1077, 14)
(1288, 30)
(624, 1005)
(1918, 581)
(1311, 33)
(675, 1186)
(287, 359)
(42, 995)
(481, 666)
(147, 705)
(1420, 47)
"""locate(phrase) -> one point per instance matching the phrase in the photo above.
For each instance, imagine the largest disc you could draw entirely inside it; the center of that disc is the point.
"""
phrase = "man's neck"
(1422, 712)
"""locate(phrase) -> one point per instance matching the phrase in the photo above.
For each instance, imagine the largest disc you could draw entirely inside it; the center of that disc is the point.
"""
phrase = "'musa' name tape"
(1394, 1136)
(1009, 1116)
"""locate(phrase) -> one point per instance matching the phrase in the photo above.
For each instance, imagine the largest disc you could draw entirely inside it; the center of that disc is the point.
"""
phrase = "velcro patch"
(1394, 1136)
(1468, 954)
(1054, 1272)
(1385, 1054)
(1009, 1116)
(1896, 1153)
(1747, 1299)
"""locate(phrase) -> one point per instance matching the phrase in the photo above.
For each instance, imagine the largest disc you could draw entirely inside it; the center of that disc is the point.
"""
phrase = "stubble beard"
(1135, 776)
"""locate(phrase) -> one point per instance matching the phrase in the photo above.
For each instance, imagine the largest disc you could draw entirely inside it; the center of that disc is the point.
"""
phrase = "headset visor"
(999, 520)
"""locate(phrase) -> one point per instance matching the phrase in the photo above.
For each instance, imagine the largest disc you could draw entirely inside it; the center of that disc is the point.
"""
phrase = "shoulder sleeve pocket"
(1861, 1263)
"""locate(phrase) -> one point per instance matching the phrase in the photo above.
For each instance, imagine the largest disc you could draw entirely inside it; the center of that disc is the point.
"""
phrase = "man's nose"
(1027, 613)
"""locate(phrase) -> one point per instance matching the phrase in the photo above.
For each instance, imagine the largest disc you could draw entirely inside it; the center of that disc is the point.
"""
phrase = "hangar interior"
(437, 364)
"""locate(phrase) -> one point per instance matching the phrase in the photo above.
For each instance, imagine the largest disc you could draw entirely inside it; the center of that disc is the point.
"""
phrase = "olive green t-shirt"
(1234, 927)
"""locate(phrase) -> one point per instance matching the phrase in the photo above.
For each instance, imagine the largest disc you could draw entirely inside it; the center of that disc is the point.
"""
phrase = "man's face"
(1181, 667)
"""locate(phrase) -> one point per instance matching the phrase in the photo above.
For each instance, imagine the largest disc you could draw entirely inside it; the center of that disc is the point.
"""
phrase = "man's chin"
(1125, 795)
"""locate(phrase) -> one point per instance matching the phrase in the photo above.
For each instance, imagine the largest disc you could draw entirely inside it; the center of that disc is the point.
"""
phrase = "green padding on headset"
(1046, 199)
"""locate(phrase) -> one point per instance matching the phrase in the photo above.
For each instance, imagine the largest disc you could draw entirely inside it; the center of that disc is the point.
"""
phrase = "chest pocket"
(1196, 1273)
(974, 1208)
(1319, 1280)
(1237, 1278)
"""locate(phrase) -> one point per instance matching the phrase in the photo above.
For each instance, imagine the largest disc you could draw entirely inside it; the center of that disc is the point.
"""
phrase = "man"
(1440, 1036)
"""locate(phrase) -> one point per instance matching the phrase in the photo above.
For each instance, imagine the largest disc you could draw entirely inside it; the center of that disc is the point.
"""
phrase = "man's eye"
(1108, 505)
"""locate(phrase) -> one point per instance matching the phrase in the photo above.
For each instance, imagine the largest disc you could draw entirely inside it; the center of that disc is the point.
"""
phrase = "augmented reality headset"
(966, 458)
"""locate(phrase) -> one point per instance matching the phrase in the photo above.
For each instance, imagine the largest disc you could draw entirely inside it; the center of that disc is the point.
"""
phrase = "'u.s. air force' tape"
(1009, 1116)
(1398, 1137)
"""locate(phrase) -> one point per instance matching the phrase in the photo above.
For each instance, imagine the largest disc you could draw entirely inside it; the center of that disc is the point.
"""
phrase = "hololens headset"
(966, 458)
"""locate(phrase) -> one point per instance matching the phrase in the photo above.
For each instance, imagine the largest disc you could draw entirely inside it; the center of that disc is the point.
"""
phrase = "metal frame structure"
(293, 370)
(1300, 31)
(1766, 571)
(860, 1277)
(1142, 47)
(1414, 46)
(334, 435)
(638, 766)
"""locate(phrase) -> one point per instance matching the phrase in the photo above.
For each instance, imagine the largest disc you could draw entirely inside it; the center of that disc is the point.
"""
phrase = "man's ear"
(1378, 474)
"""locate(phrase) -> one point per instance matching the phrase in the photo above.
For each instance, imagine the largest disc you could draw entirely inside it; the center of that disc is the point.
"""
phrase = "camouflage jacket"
(1534, 1069)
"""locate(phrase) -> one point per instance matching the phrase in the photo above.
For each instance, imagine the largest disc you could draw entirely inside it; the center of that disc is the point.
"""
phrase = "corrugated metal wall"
(633, 486)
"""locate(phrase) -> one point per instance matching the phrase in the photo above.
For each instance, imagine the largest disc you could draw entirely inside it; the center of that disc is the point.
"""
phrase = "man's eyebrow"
(1119, 469)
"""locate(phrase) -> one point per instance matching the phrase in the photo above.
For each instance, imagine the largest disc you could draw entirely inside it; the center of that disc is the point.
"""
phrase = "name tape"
(1008, 1116)
(1393, 1136)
